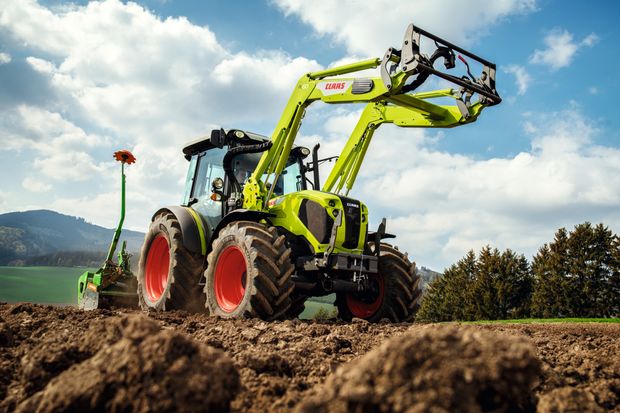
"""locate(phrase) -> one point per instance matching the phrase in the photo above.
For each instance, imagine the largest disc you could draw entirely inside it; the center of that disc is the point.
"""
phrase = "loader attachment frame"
(388, 100)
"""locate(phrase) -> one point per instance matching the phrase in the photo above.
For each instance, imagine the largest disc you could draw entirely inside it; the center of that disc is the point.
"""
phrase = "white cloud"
(35, 185)
(522, 78)
(561, 49)
(371, 29)
(5, 58)
(41, 65)
(590, 40)
(60, 148)
(142, 82)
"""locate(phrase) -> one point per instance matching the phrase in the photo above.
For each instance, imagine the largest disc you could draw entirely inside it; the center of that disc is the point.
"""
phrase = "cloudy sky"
(80, 80)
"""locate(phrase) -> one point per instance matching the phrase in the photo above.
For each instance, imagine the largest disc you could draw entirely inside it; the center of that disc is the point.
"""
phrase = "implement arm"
(389, 101)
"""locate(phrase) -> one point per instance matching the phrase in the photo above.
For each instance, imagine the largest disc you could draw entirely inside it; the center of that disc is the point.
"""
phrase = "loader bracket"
(412, 61)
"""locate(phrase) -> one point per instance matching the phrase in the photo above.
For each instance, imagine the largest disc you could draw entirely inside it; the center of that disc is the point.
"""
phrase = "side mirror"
(218, 138)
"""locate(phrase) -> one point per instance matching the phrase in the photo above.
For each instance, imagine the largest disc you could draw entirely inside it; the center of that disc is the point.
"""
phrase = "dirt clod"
(148, 369)
(443, 369)
(568, 400)
(6, 335)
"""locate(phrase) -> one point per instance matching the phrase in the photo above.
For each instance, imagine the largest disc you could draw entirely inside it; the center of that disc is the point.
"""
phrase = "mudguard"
(240, 215)
(196, 237)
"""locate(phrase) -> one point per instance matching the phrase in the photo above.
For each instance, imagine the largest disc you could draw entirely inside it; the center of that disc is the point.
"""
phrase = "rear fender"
(196, 237)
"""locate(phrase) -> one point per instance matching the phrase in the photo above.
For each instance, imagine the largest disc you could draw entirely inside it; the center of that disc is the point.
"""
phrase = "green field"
(58, 285)
(46, 285)
(312, 307)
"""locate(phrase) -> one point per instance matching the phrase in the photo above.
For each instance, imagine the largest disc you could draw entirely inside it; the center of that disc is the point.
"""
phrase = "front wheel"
(249, 273)
(169, 274)
(394, 291)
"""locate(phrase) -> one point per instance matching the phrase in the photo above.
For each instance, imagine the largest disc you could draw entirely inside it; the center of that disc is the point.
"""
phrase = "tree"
(489, 286)
(447, 297)
(514, 286)
(613, 298)
(550, 270)
(577, 274)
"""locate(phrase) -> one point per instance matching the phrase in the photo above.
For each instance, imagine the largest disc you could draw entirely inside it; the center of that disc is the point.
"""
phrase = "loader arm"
(409, 111)
(388, 100)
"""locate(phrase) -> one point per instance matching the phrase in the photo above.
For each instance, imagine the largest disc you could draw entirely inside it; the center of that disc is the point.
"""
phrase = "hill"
(427, 276)
(49, 238)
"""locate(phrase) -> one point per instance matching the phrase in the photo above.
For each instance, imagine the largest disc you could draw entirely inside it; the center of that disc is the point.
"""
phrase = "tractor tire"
(169, 274)
(397, 293)
(249, 273)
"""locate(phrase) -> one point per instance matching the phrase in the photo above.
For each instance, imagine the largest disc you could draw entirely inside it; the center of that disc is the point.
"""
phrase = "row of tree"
(576, 275)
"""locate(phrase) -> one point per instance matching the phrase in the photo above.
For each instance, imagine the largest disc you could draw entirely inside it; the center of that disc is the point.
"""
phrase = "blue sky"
(79, 80)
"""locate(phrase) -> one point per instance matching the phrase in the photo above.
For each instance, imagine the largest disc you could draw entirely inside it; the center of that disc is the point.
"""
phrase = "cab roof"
(205, 143)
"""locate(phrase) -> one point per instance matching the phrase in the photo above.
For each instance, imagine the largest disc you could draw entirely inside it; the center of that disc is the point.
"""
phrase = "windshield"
(289, 181)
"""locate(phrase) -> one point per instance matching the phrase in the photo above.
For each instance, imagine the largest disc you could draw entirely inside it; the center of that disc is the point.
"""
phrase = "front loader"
(257, 234)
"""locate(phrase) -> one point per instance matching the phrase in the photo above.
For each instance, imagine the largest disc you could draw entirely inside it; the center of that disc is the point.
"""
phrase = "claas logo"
(335, 86)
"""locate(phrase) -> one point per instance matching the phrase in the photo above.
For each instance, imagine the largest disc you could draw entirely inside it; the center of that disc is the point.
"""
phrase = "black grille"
(316, 219)
(352, 221)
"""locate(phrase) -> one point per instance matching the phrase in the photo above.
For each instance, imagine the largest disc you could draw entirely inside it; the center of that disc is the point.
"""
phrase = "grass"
(313, 308)
(46, 285)
(545, 320)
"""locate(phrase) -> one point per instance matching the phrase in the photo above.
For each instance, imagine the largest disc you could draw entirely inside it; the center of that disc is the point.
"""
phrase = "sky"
(80, 80)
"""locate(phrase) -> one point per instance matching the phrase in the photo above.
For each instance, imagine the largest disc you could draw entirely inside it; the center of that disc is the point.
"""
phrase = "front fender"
(240, 215)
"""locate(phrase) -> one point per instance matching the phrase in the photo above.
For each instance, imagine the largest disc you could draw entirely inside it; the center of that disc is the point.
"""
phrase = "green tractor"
(257, 234)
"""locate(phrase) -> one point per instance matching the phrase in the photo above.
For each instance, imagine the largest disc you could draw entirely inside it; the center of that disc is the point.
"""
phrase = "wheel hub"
(230, 278)
(157, 268)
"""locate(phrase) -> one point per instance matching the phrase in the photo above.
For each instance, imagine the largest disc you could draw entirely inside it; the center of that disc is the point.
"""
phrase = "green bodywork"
(286, 208)
(112, 278)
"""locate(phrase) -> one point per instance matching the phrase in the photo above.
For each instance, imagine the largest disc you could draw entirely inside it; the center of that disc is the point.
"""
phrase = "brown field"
(62, 359)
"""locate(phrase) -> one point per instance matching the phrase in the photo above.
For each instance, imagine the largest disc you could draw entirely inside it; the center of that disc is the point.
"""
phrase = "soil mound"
(147, 369)
(439, 369)
(568, 400)
(280, 364)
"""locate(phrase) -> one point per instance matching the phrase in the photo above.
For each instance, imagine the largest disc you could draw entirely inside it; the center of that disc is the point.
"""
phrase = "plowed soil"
(62, 359)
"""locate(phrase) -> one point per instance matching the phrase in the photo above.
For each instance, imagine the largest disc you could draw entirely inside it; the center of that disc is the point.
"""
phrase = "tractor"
(257, 234)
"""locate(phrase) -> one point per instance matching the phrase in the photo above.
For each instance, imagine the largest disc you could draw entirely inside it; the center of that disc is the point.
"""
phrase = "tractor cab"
(211, 185)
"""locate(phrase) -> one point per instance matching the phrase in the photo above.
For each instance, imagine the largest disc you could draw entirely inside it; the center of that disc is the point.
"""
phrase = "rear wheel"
(249, 273)
(169, 273)
(394, 291)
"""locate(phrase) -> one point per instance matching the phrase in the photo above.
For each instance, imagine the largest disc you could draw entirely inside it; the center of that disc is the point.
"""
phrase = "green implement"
(113, 284)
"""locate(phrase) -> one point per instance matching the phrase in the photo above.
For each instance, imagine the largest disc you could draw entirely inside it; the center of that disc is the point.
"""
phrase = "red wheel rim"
(366, 308)
(230, 277)
(157, 268)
